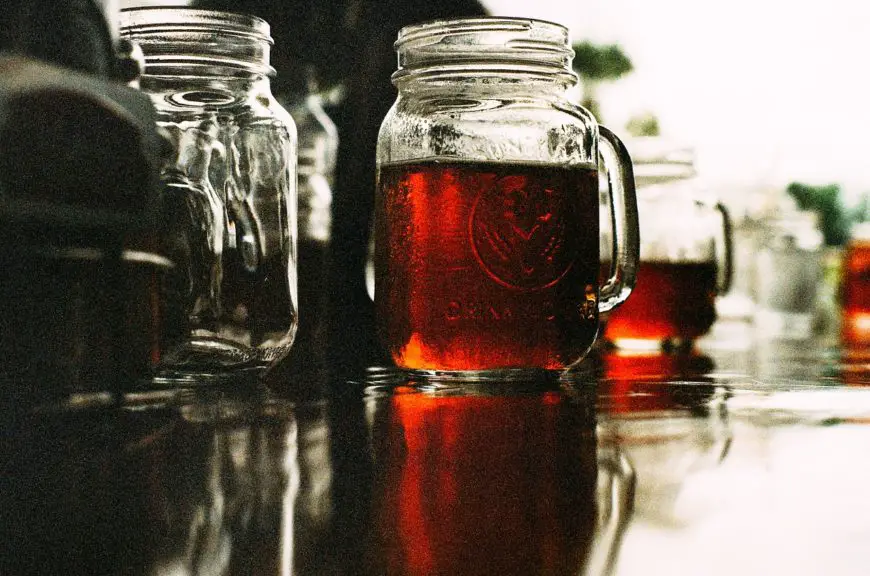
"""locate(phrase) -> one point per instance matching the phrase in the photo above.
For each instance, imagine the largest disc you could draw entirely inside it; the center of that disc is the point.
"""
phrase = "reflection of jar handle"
(616, 483)
(724, 252)
(623, 206)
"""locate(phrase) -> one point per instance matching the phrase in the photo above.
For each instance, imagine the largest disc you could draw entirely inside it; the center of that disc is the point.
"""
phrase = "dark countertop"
(737, 460)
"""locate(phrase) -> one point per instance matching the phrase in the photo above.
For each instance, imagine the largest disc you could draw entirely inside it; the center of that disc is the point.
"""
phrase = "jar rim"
(159, 18)
(475, 23)
(178, 41)
(469, 45)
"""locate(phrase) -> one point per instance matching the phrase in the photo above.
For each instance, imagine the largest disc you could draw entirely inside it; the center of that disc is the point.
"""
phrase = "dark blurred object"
(60, 167)
(317, 149)
(81, 308)
(72, 34)
(348, 42)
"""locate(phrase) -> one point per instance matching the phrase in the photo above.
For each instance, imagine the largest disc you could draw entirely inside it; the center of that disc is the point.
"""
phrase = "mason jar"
(685, 253)
(229, 191)
(487, 204)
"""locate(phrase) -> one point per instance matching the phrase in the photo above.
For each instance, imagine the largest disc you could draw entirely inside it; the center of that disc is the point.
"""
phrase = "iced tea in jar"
(685, 253)
(487, 205)
(856, 289)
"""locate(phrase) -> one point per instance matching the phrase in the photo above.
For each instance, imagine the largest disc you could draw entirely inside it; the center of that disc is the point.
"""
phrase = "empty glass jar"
(789, 276)
(229, 193)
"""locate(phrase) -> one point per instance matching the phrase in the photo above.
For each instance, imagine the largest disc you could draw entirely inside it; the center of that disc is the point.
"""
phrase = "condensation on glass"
(487, 209)
(229, 192)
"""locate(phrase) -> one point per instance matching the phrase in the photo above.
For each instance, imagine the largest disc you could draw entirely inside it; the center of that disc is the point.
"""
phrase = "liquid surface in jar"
(856, 294)
(670, 300)
(486, 265)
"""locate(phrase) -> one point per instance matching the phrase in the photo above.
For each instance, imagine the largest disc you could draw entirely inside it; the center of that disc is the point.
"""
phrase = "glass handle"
(724, 252)
(623, 206)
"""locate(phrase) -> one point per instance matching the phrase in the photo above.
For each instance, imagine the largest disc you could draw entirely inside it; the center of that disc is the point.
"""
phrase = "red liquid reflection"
(669, 301)
(485, 265)
(479, 485)
(653, 382)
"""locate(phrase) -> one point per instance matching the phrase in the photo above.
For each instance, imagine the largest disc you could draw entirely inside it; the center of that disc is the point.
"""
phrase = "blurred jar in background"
(855, 288)
(318, 147)
(685, 253)
(789, 274)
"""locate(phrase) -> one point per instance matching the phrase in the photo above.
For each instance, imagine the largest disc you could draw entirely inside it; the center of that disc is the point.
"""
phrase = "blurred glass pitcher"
(685, 253)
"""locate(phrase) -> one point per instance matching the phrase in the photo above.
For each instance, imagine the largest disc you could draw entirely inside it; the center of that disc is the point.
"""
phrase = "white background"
(768, 91)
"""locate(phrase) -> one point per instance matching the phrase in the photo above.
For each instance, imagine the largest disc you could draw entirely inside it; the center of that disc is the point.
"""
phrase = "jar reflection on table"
(654, 366)
(478, 484)
(669, 431)
(685, 254)
(213, 485)
(229, 193)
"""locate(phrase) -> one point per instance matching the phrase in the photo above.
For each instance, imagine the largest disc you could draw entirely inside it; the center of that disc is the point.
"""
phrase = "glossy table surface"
(749, 459)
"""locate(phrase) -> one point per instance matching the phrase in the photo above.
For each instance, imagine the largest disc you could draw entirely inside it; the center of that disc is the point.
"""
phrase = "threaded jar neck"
(190, 42)
(484, 47)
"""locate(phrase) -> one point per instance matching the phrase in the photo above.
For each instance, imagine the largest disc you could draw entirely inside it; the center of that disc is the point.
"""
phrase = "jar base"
(214, 361)
(497, 380)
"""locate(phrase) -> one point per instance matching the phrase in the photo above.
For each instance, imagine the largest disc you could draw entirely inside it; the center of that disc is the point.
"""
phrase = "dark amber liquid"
(669, 301)
(485, 265)
(856, 294)
(486, 485)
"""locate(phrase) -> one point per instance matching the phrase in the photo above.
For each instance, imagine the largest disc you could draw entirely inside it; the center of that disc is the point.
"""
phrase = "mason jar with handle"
(487, 205)
(685, 253)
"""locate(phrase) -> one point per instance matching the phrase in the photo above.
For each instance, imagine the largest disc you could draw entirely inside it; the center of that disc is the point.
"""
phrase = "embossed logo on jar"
(518, 232)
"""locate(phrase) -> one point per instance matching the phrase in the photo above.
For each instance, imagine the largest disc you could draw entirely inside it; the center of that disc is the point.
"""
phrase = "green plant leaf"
(600, 62)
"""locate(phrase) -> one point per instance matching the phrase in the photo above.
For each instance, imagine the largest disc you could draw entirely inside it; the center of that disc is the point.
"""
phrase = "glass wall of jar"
(487, 209)
(685, 253)
(229, 193)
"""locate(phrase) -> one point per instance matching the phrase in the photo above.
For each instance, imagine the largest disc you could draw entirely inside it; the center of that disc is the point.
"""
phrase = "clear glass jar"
(487, 209)
(789, 276)
(685, 253)
(229, 193)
